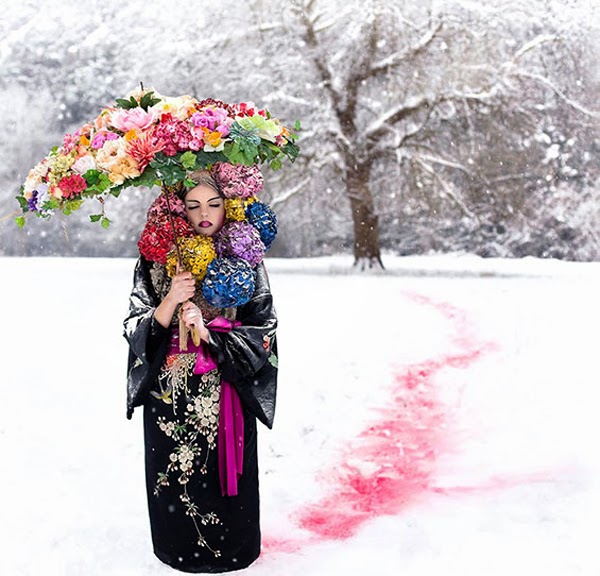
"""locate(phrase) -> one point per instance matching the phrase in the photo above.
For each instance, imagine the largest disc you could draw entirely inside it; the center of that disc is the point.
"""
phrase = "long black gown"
(194, 528)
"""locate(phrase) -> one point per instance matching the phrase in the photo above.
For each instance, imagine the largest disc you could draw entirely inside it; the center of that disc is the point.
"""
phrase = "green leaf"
(74, 204)
(148, 100)
(23, 203)
(20, 220)
(242, 151)
(273, 361)
(276, 163)
(188, 160)
(97, 182)
(207, 159)
(297, 126)
(146, 178)
(123, 103)
(105, 222)
(95, 217)
(116, 191)
(51, 204)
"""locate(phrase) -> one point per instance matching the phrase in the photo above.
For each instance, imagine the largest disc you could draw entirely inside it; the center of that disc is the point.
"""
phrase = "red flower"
(157, 240)
(72, 185)
(266, 342)
(144, 148)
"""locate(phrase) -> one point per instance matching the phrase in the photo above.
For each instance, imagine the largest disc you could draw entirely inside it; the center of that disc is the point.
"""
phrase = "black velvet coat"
(195, 528)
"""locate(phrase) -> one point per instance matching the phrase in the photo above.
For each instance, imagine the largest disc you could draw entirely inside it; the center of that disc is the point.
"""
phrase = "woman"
(200, 440)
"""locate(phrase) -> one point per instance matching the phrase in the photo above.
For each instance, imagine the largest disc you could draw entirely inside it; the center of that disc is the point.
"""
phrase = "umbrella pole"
(183, 329)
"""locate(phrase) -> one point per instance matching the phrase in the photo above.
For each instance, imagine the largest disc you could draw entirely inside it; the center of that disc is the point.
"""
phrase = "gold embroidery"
(200, 419)
(173, 378)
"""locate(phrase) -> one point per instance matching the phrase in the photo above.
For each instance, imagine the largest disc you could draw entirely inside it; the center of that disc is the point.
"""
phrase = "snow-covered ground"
(440, 418)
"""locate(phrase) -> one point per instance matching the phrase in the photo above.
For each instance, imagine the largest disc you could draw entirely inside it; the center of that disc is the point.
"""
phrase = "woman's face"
(205, 210)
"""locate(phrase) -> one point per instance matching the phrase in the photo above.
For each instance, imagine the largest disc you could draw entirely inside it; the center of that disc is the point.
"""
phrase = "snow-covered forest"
(427, 126)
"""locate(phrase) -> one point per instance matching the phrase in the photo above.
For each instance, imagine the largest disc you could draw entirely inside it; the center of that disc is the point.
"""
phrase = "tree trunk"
(366, 227)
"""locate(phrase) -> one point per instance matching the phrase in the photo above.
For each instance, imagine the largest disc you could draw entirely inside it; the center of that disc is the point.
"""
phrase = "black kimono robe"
(194, 527)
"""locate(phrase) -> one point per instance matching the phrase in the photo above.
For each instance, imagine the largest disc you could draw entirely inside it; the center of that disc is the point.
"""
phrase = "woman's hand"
(192, 316)
(182, 288)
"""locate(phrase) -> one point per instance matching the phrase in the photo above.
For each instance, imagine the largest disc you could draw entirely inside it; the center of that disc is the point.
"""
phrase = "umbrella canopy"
(147, 139)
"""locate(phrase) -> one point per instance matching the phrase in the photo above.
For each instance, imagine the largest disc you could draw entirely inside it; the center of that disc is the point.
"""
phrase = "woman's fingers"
(191, 314)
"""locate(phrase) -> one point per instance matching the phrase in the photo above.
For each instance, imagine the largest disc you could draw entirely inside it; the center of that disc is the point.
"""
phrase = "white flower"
(111, 153)
(83, 164)
(35, 177)
(179, 107)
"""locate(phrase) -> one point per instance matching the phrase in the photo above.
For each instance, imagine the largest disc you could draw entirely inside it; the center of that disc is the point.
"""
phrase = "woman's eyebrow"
(198, 201)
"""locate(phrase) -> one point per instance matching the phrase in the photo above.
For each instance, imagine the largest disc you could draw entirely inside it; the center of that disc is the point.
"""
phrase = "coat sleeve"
(147, 339)
(247, 355)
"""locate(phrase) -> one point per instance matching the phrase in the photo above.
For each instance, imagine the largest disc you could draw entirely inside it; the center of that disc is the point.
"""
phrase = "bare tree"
(387, 75)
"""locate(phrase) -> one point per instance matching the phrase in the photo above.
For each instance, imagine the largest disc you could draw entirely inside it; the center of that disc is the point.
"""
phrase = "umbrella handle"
(183, 334)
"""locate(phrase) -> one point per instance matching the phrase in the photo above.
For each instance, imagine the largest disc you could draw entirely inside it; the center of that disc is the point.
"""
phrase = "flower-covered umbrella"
(147, 139)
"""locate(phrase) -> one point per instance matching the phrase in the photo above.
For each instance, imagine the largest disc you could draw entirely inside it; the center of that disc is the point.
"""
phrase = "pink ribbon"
(230, 440)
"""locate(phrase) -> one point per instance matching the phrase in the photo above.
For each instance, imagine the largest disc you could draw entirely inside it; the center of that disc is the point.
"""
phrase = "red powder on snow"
(389, 464)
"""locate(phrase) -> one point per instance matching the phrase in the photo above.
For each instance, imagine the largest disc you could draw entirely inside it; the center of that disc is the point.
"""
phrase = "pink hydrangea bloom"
(175, 134)
(70, 141)
(237, 180)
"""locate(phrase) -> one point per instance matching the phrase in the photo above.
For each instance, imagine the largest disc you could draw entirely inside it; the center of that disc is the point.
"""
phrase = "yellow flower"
(213, 138)
(130, 135)
(235, 209)
(197, 253)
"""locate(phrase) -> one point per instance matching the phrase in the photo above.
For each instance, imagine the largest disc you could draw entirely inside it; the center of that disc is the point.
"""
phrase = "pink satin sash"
(230, 438)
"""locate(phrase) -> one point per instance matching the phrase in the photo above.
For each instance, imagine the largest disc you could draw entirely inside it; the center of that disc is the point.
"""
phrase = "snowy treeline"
(427, 125)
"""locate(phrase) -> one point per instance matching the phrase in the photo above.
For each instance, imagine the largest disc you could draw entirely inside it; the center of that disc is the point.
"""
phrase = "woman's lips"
(205, 224)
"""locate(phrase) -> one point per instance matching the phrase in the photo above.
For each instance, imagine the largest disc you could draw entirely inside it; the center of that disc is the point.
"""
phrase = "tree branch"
(546, 82)
(400, 112)
(447, 189)
(310, 36)
(393, 60)
(282, 198)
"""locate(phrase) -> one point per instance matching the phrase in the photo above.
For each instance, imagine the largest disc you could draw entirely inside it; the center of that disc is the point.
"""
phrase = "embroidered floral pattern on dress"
(173, 378)
(200, 419)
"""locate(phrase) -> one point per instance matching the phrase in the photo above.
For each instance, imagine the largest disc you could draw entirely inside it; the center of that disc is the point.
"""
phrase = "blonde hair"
(204, 178)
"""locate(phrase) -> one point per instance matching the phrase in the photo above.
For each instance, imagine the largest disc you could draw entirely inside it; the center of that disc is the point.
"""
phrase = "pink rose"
(134, 119)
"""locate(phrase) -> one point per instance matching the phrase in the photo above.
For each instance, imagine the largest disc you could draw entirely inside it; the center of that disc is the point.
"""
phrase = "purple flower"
(99, 139)
(38, 197)
(32, 202)
(240, 240)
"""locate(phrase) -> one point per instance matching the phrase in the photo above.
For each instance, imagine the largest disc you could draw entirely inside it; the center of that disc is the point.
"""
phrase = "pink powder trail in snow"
(389, 464)
(395, 454)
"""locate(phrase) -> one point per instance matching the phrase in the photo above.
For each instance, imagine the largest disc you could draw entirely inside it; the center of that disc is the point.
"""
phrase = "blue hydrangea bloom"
(229, 282)
(264, 220)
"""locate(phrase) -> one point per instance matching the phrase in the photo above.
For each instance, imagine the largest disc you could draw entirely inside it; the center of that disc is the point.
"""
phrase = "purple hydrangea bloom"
(240, 240)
